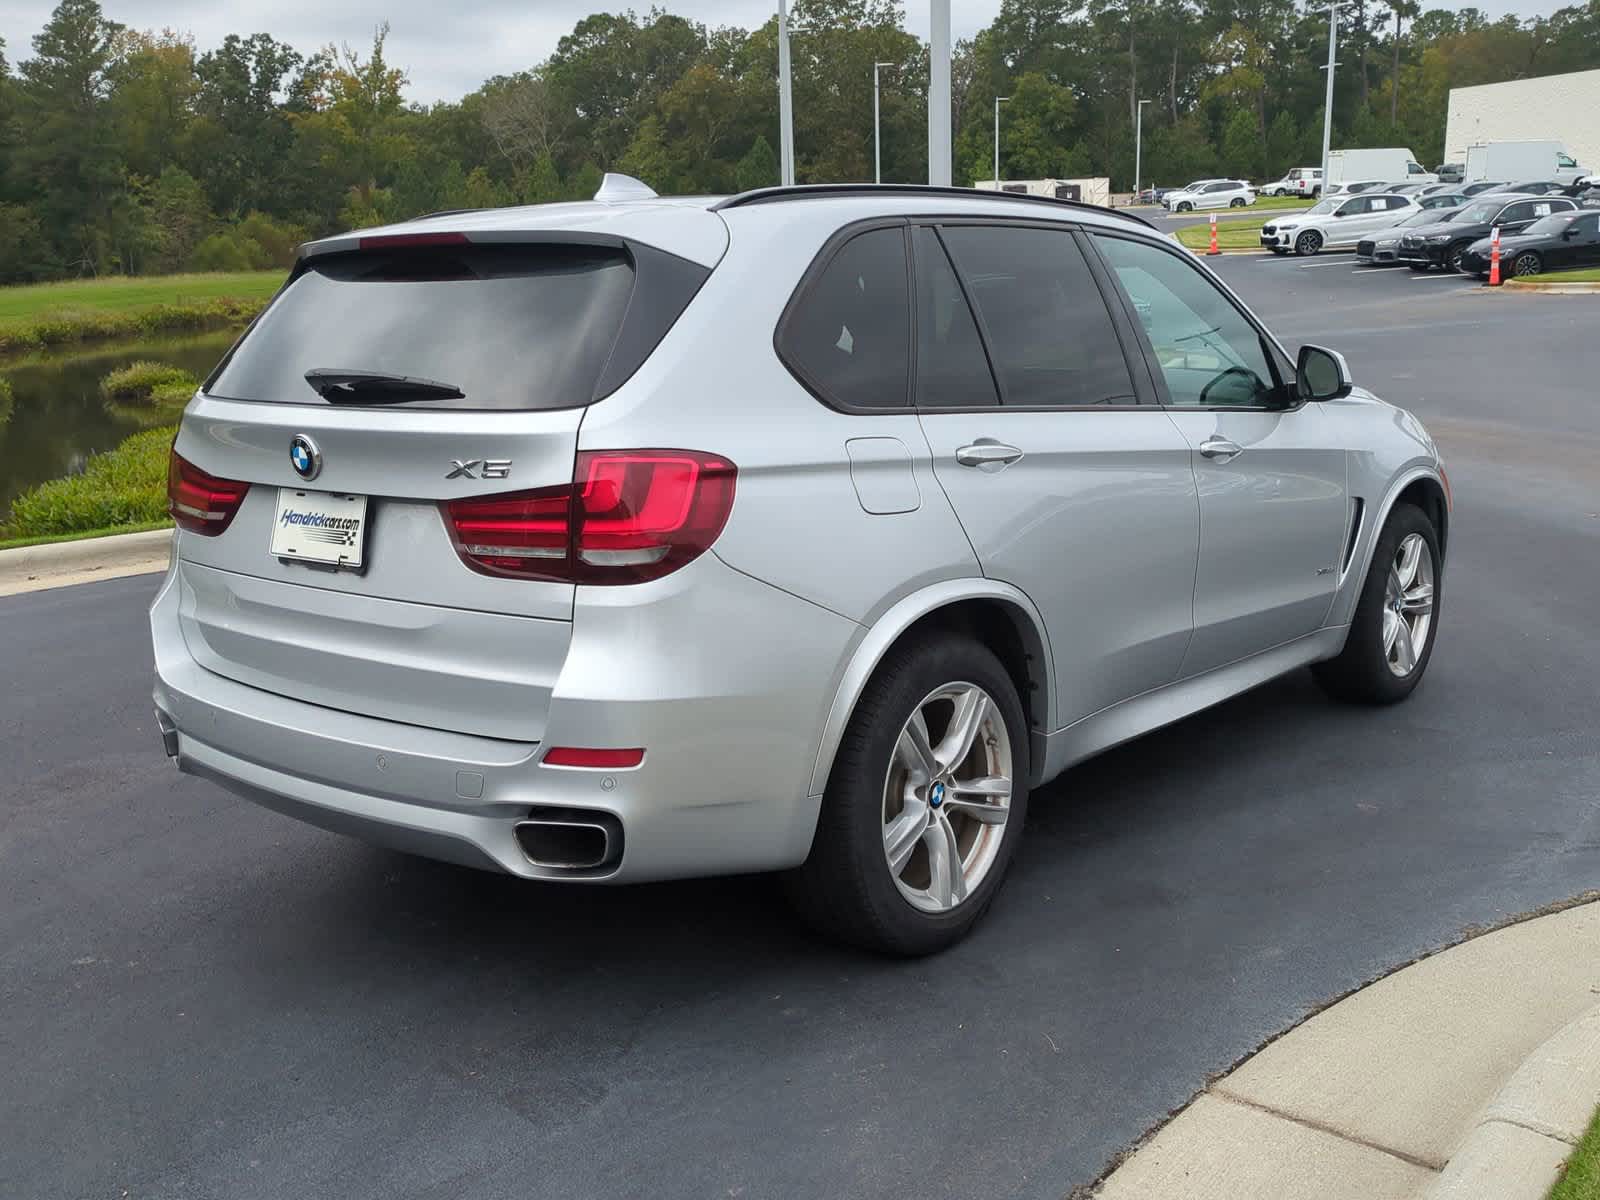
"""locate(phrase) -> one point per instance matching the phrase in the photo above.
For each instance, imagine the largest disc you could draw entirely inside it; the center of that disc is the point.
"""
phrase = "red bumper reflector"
(580, 756)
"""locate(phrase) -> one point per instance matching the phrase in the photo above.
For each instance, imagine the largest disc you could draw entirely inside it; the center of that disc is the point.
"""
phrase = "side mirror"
(1321, 374)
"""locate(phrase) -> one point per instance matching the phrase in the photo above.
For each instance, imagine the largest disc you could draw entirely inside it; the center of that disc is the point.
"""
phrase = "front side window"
(849, 333)
(1413, 168)
(1209, 353)
(1048, 329)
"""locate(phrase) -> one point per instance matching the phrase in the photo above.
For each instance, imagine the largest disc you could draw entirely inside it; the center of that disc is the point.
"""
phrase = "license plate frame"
(326, 528)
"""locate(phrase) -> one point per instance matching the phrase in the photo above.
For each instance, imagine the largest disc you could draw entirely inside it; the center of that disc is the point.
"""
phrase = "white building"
(1563, 108)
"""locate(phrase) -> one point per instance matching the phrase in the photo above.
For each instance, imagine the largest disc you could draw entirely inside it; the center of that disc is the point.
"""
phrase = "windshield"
(1479, 212)
(1430, 216)
(1552, 224)
(1323, 207)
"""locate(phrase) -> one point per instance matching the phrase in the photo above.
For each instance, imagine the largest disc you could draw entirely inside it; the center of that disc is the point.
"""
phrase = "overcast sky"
(449, 48)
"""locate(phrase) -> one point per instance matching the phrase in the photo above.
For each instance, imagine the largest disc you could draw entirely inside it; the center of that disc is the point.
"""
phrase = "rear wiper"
(338, 386)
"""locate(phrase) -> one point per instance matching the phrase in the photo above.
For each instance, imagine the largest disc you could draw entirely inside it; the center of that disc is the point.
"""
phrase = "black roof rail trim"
(805, 191)
(447, 212)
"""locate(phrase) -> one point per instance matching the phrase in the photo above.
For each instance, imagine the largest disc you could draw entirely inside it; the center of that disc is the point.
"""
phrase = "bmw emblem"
(936, 795)
(305, 457)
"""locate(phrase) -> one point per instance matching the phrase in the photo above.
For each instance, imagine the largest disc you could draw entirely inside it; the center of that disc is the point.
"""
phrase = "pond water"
(58, 417)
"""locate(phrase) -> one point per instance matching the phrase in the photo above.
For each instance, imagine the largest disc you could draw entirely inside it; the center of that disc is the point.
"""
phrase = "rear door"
(1070, 484)
(437, 615)
(1274, 515)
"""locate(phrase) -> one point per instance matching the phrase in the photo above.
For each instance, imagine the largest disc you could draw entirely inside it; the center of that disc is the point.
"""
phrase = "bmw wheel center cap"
(304, 457)
(936, 795)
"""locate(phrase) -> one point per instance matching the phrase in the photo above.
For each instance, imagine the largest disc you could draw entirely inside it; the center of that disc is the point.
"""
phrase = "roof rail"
(773, 195)
(446, 212)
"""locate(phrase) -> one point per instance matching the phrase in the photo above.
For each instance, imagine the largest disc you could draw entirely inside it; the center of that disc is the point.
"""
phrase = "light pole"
(1138, 146)
(939, 93)
(1327, 107)
(785, 101)
(877, 152)
(998, 101)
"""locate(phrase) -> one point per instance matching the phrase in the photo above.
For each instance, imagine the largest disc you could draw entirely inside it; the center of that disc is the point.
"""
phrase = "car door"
(1071, 482)
(1586, 241)
(1274, 513)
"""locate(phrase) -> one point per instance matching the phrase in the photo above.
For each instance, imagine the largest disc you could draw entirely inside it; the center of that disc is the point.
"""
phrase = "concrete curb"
(1525, 1133)
(1467, 1074)
(60, 564)
(1554, 289)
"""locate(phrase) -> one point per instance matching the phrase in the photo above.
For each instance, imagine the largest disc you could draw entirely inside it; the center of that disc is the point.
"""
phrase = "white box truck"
(1521, 162)
(1090, 191)
(1395, 164)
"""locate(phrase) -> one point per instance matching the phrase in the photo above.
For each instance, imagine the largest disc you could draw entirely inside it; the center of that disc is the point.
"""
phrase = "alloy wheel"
(1526, 264)
(1408, 605)
(947, 796)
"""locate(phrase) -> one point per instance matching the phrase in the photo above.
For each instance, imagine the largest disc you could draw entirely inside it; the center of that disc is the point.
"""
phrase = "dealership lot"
(203, 998)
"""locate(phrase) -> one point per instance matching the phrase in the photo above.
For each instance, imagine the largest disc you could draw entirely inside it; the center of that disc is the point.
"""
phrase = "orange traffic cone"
(1213, 249)
(1494, 257)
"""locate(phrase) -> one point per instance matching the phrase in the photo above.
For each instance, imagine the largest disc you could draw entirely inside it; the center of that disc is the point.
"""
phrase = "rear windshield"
(509, 327)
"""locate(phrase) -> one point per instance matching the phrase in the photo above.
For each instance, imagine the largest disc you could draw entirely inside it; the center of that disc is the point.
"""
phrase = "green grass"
(1283, 202)
(141, 380)
(18, 543)
(119, 294)
(1580, 1177)
(1578, 275)
(122, 488)
(52, 314)
(1231, 235)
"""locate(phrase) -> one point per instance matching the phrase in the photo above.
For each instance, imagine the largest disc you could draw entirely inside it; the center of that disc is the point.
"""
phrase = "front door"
(1274, 513)
(1070, 482)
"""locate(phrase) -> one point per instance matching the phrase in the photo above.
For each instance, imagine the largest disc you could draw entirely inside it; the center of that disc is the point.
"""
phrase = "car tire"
(1526, 263)
(1236, 202)
(1451, 260)
(1388, 647)
(847, 888)
(1419, 268)
(1308, 243)
(1184, 206)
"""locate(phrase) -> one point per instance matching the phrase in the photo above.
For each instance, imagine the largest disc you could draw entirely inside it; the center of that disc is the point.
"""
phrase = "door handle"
(1220, 448)
(988, 455)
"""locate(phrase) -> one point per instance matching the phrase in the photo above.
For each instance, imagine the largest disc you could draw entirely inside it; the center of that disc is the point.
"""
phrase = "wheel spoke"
(1392, 625)
(947, 886)
(914, 750)
(1410, 557)
(1405, 650)
(972, 709)
(1418, 599)
(987, 800)
(901, 835)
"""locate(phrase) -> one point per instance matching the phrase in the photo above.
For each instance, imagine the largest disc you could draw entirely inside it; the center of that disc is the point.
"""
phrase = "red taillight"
(199, 502)
(600, 759)
(628, 516)
(390, 241)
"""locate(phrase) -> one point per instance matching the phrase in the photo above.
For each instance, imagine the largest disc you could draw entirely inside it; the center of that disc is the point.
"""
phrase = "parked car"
(1536, 187)
(1563, 239)
(1355, 188)
(1220, 193)
(437, 582)
(1442, 245)
(1382, 249)
(1301, 181)
(1453, 172)
(1474, 189)
(1336, 223)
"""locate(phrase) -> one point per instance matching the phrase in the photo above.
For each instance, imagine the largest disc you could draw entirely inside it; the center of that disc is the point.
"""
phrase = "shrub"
(124, 486)
(139, 381)
(76, 325)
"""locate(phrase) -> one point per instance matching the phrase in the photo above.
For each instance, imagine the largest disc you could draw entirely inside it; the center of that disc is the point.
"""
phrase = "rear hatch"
(389, 386)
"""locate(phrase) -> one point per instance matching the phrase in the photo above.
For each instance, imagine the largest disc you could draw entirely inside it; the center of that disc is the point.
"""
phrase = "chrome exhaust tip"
(570, 839)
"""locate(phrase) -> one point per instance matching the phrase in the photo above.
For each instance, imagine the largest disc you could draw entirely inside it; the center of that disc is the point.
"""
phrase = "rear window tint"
(849, 334)
(519, 327)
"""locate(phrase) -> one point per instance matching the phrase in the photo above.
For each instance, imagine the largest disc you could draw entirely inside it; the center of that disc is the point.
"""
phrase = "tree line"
(140, 152)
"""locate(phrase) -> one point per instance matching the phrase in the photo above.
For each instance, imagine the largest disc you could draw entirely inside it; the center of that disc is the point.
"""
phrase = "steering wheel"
(1255, 382)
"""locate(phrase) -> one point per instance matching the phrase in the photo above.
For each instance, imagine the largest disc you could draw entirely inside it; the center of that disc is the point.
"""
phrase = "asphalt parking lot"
(199, 998)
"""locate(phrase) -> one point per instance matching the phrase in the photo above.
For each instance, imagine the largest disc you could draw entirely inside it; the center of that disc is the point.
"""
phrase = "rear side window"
(1048, 328)
(509, 327)
(952, 369)
(848, 334)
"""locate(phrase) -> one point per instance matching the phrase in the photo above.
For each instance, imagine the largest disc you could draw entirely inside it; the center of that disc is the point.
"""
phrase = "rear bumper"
(730, 740)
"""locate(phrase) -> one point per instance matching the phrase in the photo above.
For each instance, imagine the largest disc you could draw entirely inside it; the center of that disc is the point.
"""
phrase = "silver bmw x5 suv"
(804, 531)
